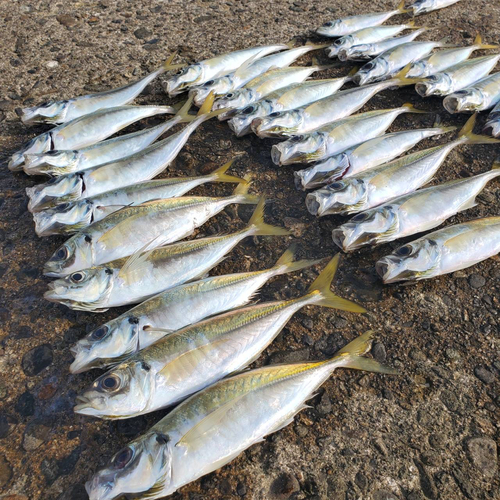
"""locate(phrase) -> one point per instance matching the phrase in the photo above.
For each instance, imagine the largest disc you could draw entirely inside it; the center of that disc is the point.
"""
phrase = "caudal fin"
(322, 284)
(478, 43)
(286, 264)
(167, 65)
(412, 109)
(401, 8)
(259, 227)
(241, 194)
(220, 175)
(467, 135)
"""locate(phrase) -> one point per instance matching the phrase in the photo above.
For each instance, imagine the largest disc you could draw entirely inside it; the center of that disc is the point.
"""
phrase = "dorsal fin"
(137, 259)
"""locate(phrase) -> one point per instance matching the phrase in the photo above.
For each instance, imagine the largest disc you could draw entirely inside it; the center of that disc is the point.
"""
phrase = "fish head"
(185, 77)
(38, 144)
(437, 84)
(365, 228)
(331, 28)
(417, 260)
(355, 53)
(331, 169)
(111, 343)
(75, 254)
(463, 100)
(220, 86)
(417, 69)
(278, 123)
(55, 191)
(337, 197)
(64, 218)
(86, 290)
(299, 149)
(241, 123)
(234, 101)
(371, 71)
(338, 45)
(140, 470)
(48, 112)
(52, 162)
(122, 392)
(422, 6)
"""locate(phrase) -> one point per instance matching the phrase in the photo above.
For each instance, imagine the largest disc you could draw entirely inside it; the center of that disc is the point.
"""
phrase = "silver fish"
(410, 214)
(370, 50)
(348, 25)
(197, 356)
(444, 59)
(125, 232)
(492, 126)
(85, 130)
(373, 34)
(217, 424)
(444, 251)
(301, 95)
(210, 69)
(337, 137)
(70, 109)
(69, 218)
(480, 96)
(367, 155)
(247, 72)
(141, 166)
(425, 6)
(457, 77)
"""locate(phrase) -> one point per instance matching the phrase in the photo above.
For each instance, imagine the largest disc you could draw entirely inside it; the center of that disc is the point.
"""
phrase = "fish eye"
(210, 82)
(338, 42)
(110, 383)
(133, 320)
(360, 217)
(100, 332)
(230, 95)
(337, 185)
(62, 207)
(369, 65)
(55, 152)
(328, 24)
(275, 114)
(77, 277)
(247, 110)
(62, 253)
(162, 438)
(296, 138)
(53, 180)
(122, 458)
(404, 251)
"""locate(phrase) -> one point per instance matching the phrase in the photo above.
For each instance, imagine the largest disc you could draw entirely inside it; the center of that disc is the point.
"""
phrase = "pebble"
(378, 351)
(142, 33)
(384, 495)
(37, 359)
(482, 452)
(476, 281)
(35, 436)
(5, 472)
(324, 406)
(52, 64)
(241, 489)
(5, 423)
(284, 486)
(25, 405)
(66, 20)
(483, 374)
(361, 480)
(308, 323)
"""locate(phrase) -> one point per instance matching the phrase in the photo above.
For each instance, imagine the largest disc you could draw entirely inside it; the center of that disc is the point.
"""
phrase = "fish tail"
(316, 46)
(412, 109)
(322, 284)
(286, 264)
(444, 43)
(259, 227)
(205, 112)
(411, 26)
(478, 42)
(467, 135)
(183, 114)
(353, 356)
(167, 65)
(401, 8)
(220, 175)
(242, 196)
(400, 78)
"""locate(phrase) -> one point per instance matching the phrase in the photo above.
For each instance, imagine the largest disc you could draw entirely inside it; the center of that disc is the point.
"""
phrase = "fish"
(444, 59)
(214, 426)
(370, 50)
(69, 218)
(394, 60)
(347, 25)
(320, 113)
(365, 156)
(300, 95)
(141, 166)
(492, 126)
(262, 86)
(424, 6)
(191, 359)
(480, 96)
(178, 264)
(337, 137)
(123, 233)
(379, 185)
(209, 69)
(86, 130)
(70, 109)
(457, 77)
(373, 34)
(412, 213)
(131, 280)
(248, 71)
(442, 252)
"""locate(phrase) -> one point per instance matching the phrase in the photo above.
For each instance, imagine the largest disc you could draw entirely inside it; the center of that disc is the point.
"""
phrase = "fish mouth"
(84, 406)
(52, 270)
(342, 55)
(16, 162)
(383, 270)
(492, 128)
(44, 226)
(33, 164)
(387, 268)
(423, 89)
(452, 104)
(81, 363)
(239, 126)
(97, 491)
(276, 152)
(312, 204)
(348, 239)
(332, 51)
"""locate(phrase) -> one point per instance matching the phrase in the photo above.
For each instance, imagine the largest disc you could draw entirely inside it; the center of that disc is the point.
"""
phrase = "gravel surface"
(432, 432)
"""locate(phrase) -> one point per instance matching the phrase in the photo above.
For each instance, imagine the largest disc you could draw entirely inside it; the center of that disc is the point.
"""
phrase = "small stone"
(324, 406)
(241, 489)
(5, 423)
(200, 19)
(35, 436)
(5, 471)
(301, 430)
(142, 33)
(308, 323)
(361, 480)
(25, 405)
(66, 20)
(93, 20)
(483, 374)
(476, 281)
(52, 64)
(431, 458)
(37, 359)
(284, 486)
(482, 453)
(384, 495)
(437, 440)
(378, 352)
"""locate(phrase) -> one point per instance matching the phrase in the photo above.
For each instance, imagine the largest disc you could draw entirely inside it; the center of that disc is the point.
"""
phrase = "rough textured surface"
(431, 433)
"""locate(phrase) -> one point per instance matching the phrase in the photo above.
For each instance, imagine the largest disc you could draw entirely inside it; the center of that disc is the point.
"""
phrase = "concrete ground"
(433, 432)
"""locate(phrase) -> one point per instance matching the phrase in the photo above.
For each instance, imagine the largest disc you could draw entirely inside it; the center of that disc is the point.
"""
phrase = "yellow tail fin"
(480, 45)
(183, 113)
(205, 112)
(322, 285)
(468, 136)
(401, 8)
(220, 175)
(242, 196)
(286, 264)
(411, 26)
(260, 228)
(412, 109)
(167, 65)
(400, 77)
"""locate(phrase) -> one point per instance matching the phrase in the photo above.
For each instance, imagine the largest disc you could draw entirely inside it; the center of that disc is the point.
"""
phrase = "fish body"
(125, 232)
(492, 126)
(457, 77)
(350, 24)
(199, 355)
(69, 218)
(86, 130)
(424, 6)
(367, 155)
(442, 252)
(480, 96)
(410, 214)
(210, 69)
(215, 425)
